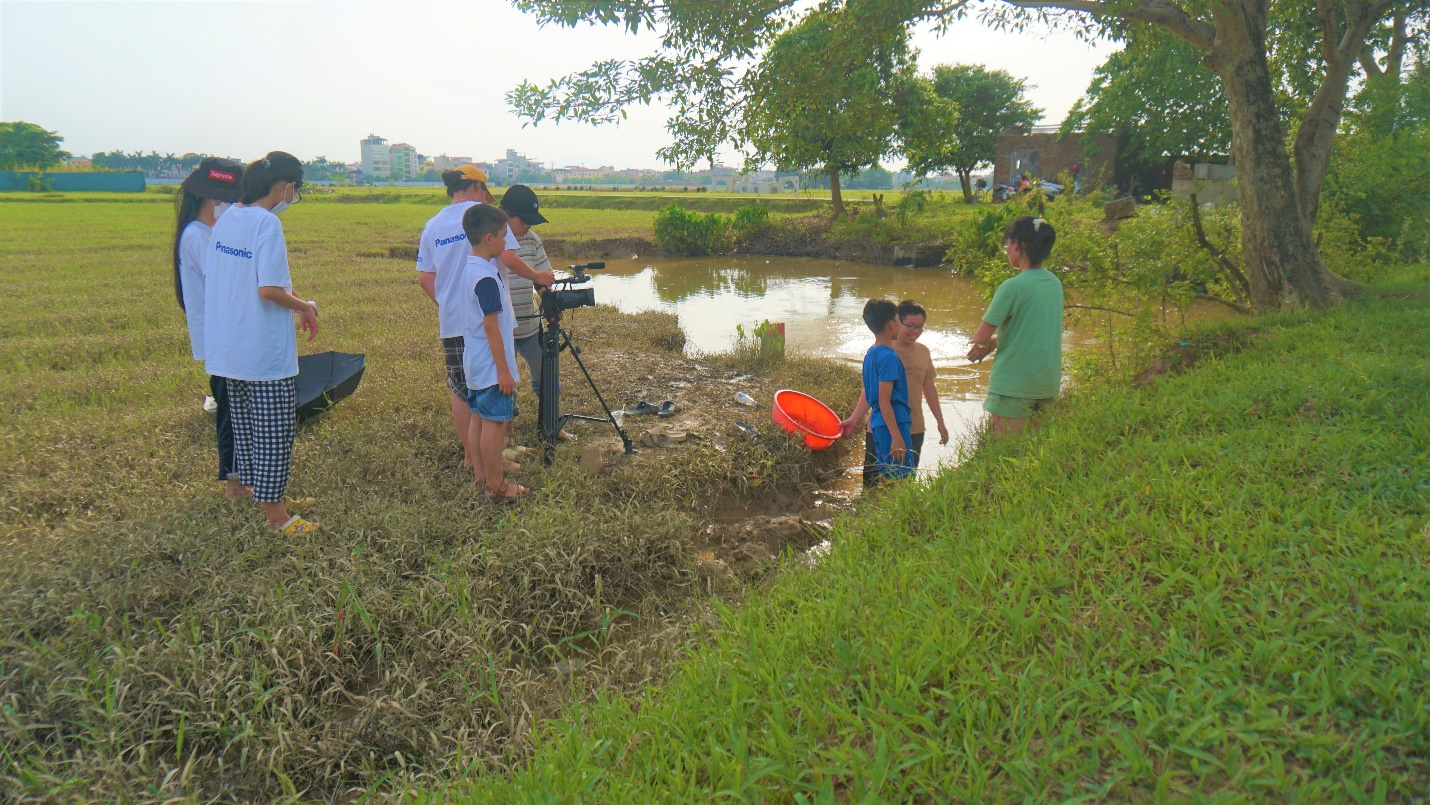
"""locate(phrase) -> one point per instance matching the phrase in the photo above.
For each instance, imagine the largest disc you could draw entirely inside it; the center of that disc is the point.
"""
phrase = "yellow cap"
(474, 173)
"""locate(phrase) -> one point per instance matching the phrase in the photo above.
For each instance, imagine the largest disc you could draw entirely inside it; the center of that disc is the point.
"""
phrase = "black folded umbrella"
(325, 378)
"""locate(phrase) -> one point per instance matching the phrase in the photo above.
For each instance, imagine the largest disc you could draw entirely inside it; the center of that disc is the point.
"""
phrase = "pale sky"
(243, 77)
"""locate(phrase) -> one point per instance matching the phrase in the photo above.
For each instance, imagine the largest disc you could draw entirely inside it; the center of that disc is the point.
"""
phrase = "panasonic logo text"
(232, 252)
(451, 240)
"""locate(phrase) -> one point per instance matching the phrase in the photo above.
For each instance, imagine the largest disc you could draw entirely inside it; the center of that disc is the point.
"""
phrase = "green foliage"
(1374, 211)
(825, 96)
(1159, 595)
(953, 118)
(759, 349)
(874, 178)
(25, 145)
(1133, 284)
(1157, 96)
(750, 220)
(39, 183)
(688, 234)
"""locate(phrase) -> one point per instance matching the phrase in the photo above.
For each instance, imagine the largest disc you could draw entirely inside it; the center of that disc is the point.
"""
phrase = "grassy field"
(1216, 589)
(157, 645)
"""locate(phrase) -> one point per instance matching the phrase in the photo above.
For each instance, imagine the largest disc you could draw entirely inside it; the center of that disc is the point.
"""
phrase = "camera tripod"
(553, 340)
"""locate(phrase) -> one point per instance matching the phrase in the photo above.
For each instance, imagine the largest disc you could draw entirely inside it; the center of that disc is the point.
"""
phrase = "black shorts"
(456, 375)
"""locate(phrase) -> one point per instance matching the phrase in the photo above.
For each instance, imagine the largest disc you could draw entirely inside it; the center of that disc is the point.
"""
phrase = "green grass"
(157, 644)
(1216, 589)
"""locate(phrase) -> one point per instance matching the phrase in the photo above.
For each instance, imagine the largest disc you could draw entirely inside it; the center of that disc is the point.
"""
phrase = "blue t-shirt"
(882, 363)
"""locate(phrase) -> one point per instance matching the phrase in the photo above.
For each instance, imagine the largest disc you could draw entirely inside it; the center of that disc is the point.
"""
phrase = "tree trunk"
(963, 178)
(836, 200)
(1284, 267)
(1312, 149)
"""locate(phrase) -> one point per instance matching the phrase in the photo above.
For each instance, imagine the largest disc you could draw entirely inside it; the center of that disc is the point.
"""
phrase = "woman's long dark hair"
(260, 176)
(188, 206)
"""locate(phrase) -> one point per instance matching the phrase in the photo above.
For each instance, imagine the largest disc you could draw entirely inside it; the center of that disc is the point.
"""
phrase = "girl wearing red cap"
(203, 198)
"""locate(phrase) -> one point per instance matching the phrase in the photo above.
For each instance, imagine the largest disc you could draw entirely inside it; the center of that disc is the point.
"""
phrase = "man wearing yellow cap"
(441, 255)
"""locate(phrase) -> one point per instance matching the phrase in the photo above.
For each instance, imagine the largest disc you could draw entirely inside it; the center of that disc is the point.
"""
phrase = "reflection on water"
(820, 302)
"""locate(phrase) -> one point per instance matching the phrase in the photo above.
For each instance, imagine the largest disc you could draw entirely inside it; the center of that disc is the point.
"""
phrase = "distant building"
(1212, 183)
(376, 160)
(506, 169)
(405, 161)
(1043, 154)
(442, 162)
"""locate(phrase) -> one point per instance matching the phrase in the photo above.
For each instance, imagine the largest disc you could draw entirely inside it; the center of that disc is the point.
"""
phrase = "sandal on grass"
(509, 493)
(296, 502)
(296, 526)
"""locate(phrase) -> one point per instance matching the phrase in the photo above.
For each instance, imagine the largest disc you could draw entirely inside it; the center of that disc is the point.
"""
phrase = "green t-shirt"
(1028, 312)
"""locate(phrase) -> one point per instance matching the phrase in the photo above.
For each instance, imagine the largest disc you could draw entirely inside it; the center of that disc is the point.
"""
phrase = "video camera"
(558, 298)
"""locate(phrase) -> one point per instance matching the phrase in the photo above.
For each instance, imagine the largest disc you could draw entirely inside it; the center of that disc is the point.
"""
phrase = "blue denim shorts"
(490, 404)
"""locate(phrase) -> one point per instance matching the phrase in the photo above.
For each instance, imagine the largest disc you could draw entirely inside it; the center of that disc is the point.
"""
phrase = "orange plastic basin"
(803, 416)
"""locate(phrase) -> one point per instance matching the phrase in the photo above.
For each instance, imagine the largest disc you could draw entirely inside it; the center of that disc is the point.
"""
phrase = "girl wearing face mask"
(248, 332)
(202, 199)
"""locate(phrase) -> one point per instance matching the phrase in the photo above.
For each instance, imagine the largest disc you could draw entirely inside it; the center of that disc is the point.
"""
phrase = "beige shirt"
(918, 367)
(523, 291)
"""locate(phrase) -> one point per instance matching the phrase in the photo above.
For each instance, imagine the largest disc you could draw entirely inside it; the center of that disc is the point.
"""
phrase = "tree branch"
(1197, 33)
(1237, 306)
(1095, 307)
(1367, 62)
(1327, 19)
(1395, 57)
(1234, 277)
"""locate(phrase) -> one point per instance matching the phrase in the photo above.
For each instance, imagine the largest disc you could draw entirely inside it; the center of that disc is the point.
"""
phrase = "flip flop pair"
(664, 410)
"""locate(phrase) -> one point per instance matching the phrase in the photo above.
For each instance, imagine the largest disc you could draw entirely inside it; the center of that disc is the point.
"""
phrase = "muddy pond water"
(819, 302)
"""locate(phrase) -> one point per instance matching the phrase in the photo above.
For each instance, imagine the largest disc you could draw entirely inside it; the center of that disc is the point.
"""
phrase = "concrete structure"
(442, 162)
(1213, 184)
(764, 182)
(376, 160)
(404, 161)
(1044, 155)
(506, 169)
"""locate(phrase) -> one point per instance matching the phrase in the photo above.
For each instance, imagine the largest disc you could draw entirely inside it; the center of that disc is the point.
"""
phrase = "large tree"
(959, 117)
(825, 97)
(705, 43)
(25, 145)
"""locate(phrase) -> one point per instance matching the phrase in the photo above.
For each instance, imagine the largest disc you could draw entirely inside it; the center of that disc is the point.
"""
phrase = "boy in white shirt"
(488, 352)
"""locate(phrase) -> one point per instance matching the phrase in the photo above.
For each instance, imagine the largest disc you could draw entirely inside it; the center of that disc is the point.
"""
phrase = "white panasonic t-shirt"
(477, 363)
(245, 336)
(193, 246)
(444, 250)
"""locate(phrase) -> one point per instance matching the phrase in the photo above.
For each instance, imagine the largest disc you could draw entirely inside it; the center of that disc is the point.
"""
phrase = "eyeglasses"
(917, 327)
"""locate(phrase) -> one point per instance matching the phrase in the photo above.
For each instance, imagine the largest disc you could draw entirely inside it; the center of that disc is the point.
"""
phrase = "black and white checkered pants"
(264, 416)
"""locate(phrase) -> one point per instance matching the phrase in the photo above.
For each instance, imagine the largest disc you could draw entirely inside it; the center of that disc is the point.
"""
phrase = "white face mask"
(283, 205)
(220, 207)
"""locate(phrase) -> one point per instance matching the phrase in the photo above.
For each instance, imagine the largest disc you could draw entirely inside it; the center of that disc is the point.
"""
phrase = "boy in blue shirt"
(886, 383)
(488, 355)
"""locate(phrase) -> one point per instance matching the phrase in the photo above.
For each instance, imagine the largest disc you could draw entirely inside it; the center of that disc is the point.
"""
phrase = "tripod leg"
(549, 406)
(576, 354)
